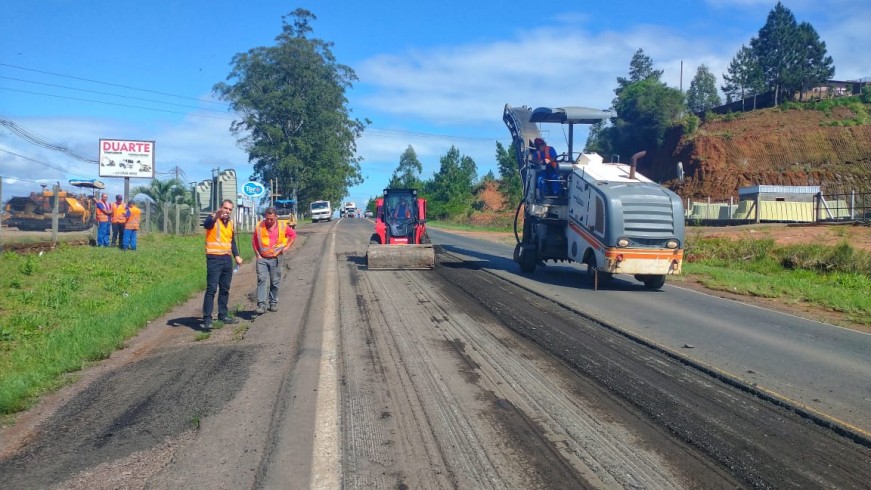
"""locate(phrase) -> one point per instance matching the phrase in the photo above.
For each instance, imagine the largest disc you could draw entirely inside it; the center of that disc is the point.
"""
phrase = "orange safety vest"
(263, 240)
(119, 213)
(133, 220)
(540, 156)
(219, 239)
(103, 215)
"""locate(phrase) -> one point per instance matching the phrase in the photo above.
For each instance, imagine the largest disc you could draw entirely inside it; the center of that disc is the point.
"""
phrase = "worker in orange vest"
(271, 238)
(221, 251)
(119, 218)
(131, 227)
(104, 215)
(546, 156)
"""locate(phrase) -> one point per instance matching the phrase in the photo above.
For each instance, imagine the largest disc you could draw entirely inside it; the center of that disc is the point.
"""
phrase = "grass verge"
(462, 226)
(837, 277)
(75, 305)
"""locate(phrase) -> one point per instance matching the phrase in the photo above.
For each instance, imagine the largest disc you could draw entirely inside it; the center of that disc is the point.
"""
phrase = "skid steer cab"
(400, 240)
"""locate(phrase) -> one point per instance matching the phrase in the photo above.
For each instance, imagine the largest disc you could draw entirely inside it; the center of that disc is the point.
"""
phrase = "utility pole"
(54, 214)
(681, 76)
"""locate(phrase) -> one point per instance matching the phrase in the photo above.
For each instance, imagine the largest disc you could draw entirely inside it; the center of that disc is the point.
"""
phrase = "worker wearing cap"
(546, 155)
(131, 227)
(104, 215)
(271, 238)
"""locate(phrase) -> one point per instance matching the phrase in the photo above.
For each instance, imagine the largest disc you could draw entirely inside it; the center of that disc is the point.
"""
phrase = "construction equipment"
(605, 215)
(285, 209)
(34, 212)
(400, 240)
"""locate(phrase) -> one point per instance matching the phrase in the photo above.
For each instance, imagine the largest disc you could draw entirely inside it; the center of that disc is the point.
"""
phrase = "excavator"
(400, 240)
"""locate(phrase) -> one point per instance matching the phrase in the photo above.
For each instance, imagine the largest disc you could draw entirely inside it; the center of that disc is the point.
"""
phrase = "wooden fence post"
(54, 214)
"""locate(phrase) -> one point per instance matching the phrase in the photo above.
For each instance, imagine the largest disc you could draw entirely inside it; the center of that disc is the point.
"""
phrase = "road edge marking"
(326, 454)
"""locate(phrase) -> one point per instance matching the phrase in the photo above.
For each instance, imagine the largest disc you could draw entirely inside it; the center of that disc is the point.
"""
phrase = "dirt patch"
(770, 146)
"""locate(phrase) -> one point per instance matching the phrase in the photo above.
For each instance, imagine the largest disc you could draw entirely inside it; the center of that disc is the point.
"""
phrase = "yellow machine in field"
(34, 212)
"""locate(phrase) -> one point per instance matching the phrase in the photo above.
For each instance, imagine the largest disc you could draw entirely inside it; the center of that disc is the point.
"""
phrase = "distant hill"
(826, 144)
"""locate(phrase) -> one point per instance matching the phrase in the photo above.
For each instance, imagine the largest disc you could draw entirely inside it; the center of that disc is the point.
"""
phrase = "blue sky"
(431, 74)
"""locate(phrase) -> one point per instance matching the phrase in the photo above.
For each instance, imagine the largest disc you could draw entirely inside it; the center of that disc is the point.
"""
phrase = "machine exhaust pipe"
(635, 158)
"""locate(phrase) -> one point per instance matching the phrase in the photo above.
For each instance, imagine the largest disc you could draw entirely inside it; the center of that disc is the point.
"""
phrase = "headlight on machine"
(622, 242)
(672, 244)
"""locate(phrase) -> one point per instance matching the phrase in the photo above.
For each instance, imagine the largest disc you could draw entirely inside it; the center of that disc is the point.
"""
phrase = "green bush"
(865, 96)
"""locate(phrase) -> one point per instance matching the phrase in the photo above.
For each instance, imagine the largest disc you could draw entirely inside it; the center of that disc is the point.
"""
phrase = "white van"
(321, 210)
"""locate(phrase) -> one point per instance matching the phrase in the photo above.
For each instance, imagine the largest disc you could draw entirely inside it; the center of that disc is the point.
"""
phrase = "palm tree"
(164, 194)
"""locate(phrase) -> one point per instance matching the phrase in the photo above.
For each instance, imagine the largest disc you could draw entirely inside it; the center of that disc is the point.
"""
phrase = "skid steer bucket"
(400, 257)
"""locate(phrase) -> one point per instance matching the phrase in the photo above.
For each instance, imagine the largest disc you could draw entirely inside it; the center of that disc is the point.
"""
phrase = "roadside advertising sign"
(126, 158)
(253, 189)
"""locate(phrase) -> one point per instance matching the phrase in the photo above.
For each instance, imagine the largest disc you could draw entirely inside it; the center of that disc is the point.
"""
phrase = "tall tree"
(450, 190)
(645, 109)
(813, 66)
(743, 77)
(407, 173)
(792, 56)
(774, 47)
(294, 120)
(702, 94)
(640, 68)
(509, 174)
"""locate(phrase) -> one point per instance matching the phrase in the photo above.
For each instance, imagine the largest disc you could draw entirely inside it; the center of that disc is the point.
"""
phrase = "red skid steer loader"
(400, 240)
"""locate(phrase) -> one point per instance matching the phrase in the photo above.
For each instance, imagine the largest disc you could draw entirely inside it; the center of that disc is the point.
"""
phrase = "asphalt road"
(467, 376)
(818, 367)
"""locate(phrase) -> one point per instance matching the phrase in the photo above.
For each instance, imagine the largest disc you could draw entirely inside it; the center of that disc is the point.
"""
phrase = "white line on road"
(326, 458)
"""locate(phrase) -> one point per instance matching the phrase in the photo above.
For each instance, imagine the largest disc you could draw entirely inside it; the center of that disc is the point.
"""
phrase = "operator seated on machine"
(549, 183)
(401, 218)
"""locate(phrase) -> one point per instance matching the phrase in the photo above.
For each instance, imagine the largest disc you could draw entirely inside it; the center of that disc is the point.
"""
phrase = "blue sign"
(253, 189)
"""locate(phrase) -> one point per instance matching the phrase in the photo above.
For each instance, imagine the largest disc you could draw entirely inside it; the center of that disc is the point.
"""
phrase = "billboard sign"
(127, 158)
(253, 189)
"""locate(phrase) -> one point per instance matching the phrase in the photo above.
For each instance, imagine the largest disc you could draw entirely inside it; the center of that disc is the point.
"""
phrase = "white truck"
(350, 209)
(321, 211)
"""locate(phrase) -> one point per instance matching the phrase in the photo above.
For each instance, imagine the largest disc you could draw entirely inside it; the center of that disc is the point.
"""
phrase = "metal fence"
(822, 208)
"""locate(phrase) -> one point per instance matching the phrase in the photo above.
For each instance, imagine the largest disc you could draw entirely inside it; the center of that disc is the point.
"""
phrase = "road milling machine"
(400, 240)
(605, 215)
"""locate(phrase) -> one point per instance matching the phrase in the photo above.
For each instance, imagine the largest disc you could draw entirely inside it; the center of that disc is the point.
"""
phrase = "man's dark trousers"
(219, 275)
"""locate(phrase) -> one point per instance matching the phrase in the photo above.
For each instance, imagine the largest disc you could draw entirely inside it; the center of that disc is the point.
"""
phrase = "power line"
(41, 141)
(110, 84)
(115, 104)
(390, 133)
(108, 93)
(59, 169)
(395, 133)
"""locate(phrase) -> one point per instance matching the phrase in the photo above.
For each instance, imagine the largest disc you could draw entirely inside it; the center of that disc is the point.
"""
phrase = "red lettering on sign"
(129, 146)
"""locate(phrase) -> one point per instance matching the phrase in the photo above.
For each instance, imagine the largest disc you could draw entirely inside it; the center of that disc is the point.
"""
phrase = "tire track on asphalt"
(604, 452)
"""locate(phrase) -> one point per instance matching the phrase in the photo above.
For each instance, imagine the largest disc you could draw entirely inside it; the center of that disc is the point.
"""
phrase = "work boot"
(261, 309)
(207, 324)
(273, 307)
(229, 320)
